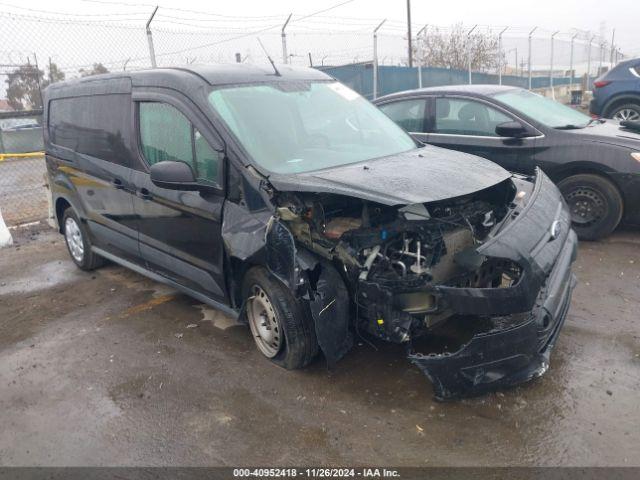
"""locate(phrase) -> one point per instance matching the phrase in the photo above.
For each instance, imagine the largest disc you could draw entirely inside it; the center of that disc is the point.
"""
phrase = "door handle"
(144, 194)
(117, 183)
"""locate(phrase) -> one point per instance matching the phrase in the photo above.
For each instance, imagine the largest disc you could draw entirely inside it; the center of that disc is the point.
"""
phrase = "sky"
(548, 15)
(74, 34)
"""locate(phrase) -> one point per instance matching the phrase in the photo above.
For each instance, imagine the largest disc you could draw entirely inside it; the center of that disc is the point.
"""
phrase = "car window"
(95, 125)
(166, 134)
(459, 116)
(409, 114)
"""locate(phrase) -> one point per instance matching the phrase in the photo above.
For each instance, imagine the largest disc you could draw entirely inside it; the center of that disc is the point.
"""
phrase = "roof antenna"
(269, 57)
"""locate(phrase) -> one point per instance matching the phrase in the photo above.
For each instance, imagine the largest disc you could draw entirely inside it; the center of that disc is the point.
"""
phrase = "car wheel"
(629, 112)
(281, 324)
(595, 204)
(77, 239)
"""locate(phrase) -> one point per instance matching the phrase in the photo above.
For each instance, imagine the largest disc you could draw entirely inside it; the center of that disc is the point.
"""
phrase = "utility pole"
(409, 49)
(375, 59)
(500, 56)
(469, 51)
(285, 57)
(419, 51)
(152, 52)
(530, 37)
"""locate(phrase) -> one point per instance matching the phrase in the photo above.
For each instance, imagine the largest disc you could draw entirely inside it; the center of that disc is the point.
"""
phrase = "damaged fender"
(330, 311)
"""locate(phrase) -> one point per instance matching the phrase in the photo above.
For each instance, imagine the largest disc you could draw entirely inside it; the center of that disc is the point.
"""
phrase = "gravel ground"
(109, 368)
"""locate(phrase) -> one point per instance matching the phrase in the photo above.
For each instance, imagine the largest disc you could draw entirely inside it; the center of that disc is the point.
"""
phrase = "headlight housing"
(636, 156)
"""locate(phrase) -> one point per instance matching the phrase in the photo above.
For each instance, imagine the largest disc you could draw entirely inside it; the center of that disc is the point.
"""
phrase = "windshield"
(544, 110)
(294, 127)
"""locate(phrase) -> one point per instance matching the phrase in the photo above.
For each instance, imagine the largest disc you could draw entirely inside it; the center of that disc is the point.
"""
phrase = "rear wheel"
(629, 112)
(595, 204)
(78, 243)
(281, 324)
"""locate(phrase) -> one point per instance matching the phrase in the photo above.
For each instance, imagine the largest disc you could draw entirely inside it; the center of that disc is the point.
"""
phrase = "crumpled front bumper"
(518, 348)
(507, 356)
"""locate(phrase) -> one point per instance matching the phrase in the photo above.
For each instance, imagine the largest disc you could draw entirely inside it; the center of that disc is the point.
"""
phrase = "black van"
(285, 199)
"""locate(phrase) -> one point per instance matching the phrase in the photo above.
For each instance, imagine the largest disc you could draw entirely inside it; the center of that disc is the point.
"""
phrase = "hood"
(428, 174)
(610, 132)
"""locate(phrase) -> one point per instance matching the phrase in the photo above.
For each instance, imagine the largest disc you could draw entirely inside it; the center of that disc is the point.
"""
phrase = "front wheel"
(280, 323)
(595, 203)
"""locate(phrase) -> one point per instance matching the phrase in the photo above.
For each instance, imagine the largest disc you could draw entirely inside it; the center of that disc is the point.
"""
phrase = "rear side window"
(95, 125)
(166, 134)
(409, 114)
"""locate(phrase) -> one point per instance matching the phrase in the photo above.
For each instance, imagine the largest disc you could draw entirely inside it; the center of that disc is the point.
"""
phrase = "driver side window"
(166, 134)
(459, 116)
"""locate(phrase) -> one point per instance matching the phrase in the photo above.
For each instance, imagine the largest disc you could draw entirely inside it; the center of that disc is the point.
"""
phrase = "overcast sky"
(550, 15)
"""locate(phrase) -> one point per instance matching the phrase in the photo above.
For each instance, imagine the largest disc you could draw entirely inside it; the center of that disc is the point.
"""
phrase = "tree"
(26, 81)
(450, 49)
(55, 74)
(23, 87)
(97, 69)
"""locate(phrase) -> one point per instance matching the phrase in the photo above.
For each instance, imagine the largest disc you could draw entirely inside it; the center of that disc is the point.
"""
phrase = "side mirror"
(173, 175)
(511, 130)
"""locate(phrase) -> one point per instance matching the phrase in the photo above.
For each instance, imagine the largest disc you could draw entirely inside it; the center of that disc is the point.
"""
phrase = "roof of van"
(188, 76)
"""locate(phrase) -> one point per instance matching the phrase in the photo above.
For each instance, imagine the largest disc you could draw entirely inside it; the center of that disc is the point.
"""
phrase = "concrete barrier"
(5, 234)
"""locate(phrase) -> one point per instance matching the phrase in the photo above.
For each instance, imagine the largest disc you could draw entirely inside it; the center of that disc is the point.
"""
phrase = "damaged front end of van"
(483, 261)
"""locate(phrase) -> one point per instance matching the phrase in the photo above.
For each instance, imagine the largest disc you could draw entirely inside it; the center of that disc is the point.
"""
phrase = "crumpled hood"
(427, 174)
(610, 132)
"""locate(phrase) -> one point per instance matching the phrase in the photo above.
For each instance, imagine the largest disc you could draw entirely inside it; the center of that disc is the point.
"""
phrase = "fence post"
(571, 61)
(419, 51)
(469, 51)
(500, 56)
(553, 92)
(285, 58)
(529, 61)
(375, 59)
(152, 52)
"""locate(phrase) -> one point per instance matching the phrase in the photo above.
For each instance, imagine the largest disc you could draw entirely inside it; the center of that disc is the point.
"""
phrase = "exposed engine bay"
(491, 268)
(394, 258)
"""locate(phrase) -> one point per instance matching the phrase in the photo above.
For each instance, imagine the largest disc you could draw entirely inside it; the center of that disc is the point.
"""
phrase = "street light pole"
(469, 50)
(571, 61)
(409, 48)
(553, 92)
(530, 37)
(419, 49)
(375, 59)
(285, 57)
(500, 55)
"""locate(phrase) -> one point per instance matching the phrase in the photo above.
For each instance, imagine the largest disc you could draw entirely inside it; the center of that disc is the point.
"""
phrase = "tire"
(595, 203)
(271, 303)
(628, 111)
(78, 243)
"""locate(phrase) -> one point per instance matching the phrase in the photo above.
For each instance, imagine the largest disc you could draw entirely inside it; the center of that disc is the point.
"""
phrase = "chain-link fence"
(38, 48)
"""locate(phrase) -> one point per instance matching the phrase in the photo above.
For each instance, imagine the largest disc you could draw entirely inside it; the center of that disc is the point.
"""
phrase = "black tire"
(627, 111)
(88, 260)
(595, 203)
(299, 345)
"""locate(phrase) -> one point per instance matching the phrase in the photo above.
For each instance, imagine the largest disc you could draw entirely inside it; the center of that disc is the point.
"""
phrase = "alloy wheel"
(628, 114)
(73, 236)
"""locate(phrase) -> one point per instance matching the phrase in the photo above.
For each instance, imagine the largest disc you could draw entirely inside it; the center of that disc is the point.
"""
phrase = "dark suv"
(288, 201)
(616, 94)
